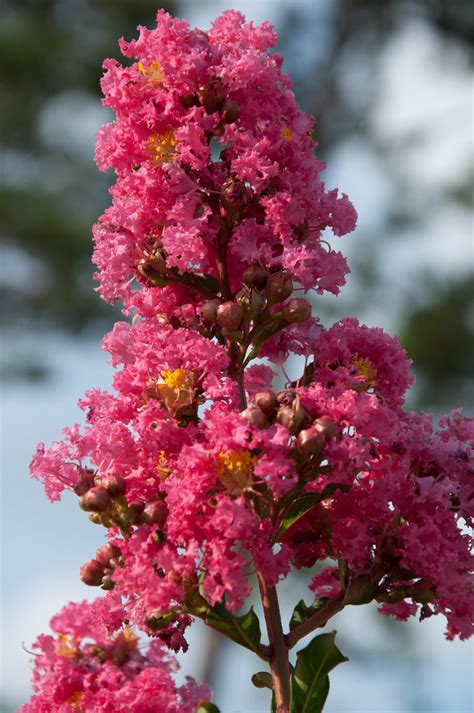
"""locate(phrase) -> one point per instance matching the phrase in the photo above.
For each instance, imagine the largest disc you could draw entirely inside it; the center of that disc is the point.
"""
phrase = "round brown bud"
(106, 553)
(292, 417)
(209, 310)
(212, 96)
(279, 287)
(96, 499)
(229, 315)
(189, 100)
(297, 310)
(84, 482)
(135, 510)
(230, 112)
(255, 417)
(266, 401)
(255, 276)
(310, 442)
(107, 582)
(155, 513)
(115, 485)
(327, 427)
(91, 573)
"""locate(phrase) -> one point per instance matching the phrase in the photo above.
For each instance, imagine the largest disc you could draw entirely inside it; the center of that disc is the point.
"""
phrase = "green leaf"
(207, 708)
(262, 679)
(244, 630)
(301, 612)
(309, 680)
(304, 504)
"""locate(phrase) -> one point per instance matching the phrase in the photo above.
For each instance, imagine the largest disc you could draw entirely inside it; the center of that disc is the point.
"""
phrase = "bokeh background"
(390, 84)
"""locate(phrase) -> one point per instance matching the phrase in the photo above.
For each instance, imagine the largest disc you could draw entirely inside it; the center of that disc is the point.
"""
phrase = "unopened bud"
(96, 499)
(251, 302)
(107, 582)
(189, 100)
(229, 315)
(279, 287)
(135, 510)
(106, 553)
(91, 573)
(115, 485)
(84, 482)
(292, 417)
(230, 112)
(310, 442)
(297, 310)
(155, 513)
(255, 417)
(266, 401)
(212, 96)
(255, 276)
(328, 427)
(209, 310)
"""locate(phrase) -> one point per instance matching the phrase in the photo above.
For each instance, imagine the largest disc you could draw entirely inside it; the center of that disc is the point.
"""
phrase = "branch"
(318, 619)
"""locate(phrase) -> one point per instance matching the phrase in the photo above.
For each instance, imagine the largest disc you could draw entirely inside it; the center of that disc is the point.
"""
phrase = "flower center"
(286, 133)
(153, 72)
(364, 368)
(177, 379)
(235, 469)
(66, 648)
(161, 147)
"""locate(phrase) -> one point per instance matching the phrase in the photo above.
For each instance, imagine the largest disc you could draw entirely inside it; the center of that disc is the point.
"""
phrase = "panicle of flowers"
(92, 661)
(200, 468)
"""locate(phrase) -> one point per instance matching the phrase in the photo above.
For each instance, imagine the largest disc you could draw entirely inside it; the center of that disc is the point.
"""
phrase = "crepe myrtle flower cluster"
(202, 471)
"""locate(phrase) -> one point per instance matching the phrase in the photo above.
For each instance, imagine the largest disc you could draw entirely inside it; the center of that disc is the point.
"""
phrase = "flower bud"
(266, 401)
(230, 112)
(255, 276)
(209, 310)
(107, 582)
(251, 302)
(96, 499)
(189, 100)
(155, 513)
(229, 315)
(106, 553)
(212, 96)
(310, 442)
(328, 427)
(292, 417)
(84, 482)
(279, 287)
(297, 310)
(135, 510)
(115, 485)
(91, 573)
(255, 417)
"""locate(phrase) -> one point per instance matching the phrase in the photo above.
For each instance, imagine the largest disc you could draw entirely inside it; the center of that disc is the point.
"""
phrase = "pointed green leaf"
(301, 612)
(262, 679)
(244, 630)
(207, 708)
(304, 504)
(309, 680)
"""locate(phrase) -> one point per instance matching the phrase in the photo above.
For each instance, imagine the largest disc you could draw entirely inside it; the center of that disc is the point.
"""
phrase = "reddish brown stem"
(319, 618)
(279, 663)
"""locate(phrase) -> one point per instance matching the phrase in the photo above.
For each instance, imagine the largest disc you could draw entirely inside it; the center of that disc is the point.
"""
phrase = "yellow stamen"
(235, 469)
(74, 699)
(286, 133)
(153, 72)
(366, 369)
(162, 146)
(67, 647)
(177, 379)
